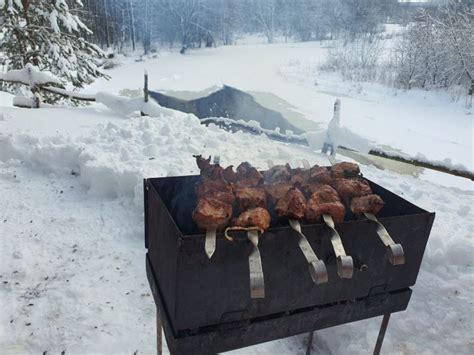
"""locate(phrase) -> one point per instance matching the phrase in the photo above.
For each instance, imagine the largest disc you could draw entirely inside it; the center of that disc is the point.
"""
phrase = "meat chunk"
(229, 174)
(292, 205)
(254, 217)
(207, 184)
(345, 170)
(324, 200)
(324, 194)
(277, 191)
(249, 197)
(226, 197)
(320, 175)
(248, 176)
(367, 204)
(210, 213)
(278, 173)
(300, 176)
(350, 188)
(213, 171)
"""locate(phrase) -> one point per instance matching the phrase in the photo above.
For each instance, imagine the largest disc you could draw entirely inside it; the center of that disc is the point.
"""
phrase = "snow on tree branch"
(31, 76)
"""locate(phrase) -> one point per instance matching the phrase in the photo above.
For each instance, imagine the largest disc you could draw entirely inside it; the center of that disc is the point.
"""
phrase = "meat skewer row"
(357, 194)
(215, 199)
(290, 203)
(324, 203)
(253, 218)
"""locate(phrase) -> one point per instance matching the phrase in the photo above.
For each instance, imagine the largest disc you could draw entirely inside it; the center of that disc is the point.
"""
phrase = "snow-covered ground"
(416, 123)
(72, 272)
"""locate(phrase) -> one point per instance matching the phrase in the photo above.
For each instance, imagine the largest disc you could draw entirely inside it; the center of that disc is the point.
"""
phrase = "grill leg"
(310, 343)
(383, 329)
(159, 345)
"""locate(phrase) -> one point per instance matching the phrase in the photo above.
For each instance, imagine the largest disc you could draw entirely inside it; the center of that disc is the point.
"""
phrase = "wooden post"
(145, 91)
(145, 87)
(159, 341)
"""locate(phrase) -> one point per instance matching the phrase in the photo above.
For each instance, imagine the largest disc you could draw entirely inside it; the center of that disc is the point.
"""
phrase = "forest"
(433, 50)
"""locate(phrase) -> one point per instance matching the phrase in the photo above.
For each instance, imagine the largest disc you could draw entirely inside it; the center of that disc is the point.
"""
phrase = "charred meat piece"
(300, 176)
(207, 184)
(254, 217)
(212, 214)
(324, 200)
(350, 188)
(277, 191)
(229, 174)
(278, 173)
(292, 205)
(203, 163)
(226, 197)
(248, 176)
(367, 204)
(345, 170)
(325, 193)
(213, 171)
(249, 197)
(320, 175)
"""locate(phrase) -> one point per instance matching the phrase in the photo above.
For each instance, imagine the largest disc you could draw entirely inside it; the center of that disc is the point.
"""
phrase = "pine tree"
(49, 35)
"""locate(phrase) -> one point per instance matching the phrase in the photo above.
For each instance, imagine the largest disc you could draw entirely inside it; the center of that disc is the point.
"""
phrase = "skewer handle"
(317, 268)
(257, 284)
(345, 264)
(210, 243)
(395, 253)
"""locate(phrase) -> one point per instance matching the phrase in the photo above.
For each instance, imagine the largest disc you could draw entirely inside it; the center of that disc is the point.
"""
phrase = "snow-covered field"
(417, 123)
(72, 272)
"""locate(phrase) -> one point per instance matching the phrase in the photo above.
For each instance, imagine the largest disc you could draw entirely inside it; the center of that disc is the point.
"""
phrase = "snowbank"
(125, 106)
(112, 158)
(30, 75)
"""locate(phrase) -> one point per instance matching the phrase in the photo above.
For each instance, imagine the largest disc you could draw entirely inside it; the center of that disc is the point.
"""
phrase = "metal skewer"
(345, 265)
(395, 253)
(317, 268)
(210, 242)
(257, 284)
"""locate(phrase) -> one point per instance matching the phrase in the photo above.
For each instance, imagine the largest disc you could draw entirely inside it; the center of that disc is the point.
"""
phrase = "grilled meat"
(345, 170)
(207, 184)
(210, 213)
(350, 188)
(229, 174)
(320, 175)
(213, 171)
(367, 204)
(324, 200)
(292, 205)
(299, 176)
(277, 191)
(254, 217)
(278, 173)
(248, 176)
(249, 197)
(226, 197)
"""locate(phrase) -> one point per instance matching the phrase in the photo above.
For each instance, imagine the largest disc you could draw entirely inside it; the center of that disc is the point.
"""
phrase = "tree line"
(143, 24)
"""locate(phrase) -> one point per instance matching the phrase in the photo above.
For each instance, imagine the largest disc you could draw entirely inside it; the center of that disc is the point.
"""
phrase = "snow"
(337, 136)
(125, 106)
(23, 101)
(410, 122)
(30, 75)
(72, 273)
